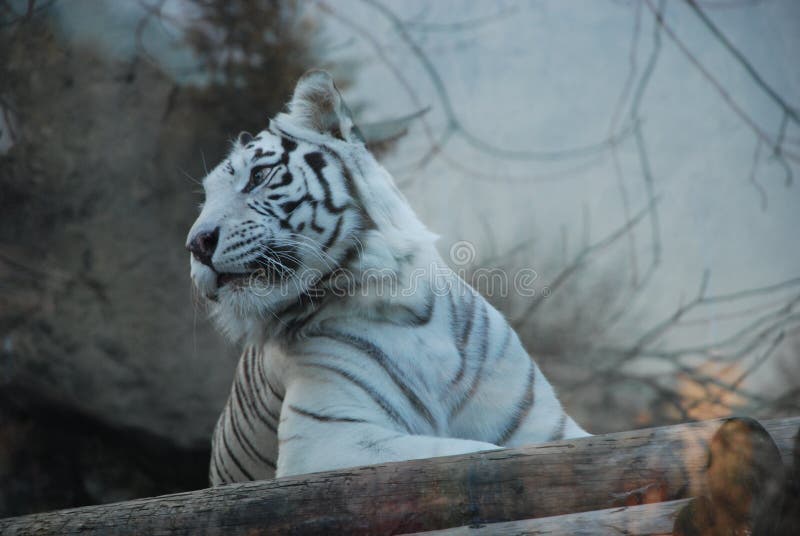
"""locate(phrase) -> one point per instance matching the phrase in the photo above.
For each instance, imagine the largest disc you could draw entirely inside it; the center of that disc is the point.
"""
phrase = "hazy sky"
(550, 75)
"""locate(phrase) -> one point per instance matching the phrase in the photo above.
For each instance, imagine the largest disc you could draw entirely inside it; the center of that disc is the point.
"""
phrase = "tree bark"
(746, 485)
(564, 477)
(641, 520)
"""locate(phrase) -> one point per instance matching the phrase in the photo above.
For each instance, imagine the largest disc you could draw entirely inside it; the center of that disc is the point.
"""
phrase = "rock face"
(102, 318)
(51, 458)
(111, 376)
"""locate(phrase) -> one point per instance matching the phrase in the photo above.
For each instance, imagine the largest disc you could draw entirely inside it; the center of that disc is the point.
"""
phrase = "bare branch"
(789, 112)
(737, 109)
(762, 193)
(460, 25)
(623, 97)
(641, 146)
(585, 255)
(454, 126)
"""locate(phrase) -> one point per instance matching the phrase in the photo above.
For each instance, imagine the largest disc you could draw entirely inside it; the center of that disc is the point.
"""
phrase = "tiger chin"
(360, 345)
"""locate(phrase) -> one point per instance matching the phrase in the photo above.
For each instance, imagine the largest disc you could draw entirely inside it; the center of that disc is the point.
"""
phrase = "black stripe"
(286, 180)
(264, 211)
(558, 432)
(320, 417)
(483, 341)
(275, 171)
(476, 380)
(466, 333)
(286, 254)
(288, 147)
(423, 317)
(303, 306)
(522, 409)
(245, 442)
(314, 225)
(222, 471)
(237, 398)
(376, 397)
(290, 438)
(367, 222)
(352, 191)
(217, 471)
(252, 407)
(239, 244)
(213, 466)
(309, 306)
(467, 327)
(260, 376)
(419, 316)
(334, 235)
(262, 372)
(317, 163)
(387, 365)
(254, 387)
(291, 206)
(241, 391)
(261, 153)
(350, 255)
(235, 459)
(258, 259)
(263, 205)
(453, 316)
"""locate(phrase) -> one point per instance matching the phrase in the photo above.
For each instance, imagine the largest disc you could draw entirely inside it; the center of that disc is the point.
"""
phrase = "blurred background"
(640, 156)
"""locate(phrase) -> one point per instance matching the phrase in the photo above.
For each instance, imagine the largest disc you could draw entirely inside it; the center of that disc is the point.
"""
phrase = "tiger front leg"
(312, 440)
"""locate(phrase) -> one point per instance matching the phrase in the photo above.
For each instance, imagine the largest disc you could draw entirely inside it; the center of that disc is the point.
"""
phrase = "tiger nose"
(203, 245)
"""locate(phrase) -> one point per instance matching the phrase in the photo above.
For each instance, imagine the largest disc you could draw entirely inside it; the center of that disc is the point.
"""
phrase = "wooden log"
(790, 519)
(746, 484)
(642, 520)
(544, 480)
(786, 435)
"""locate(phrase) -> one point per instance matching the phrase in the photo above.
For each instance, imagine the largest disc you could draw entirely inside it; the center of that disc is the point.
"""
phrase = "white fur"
(370, 377)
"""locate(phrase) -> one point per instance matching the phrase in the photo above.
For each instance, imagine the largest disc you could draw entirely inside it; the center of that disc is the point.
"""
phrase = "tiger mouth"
(237, 279)
(240, 279)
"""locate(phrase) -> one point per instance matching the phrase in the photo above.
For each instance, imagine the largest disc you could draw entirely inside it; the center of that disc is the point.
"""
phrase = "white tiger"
(360, 345)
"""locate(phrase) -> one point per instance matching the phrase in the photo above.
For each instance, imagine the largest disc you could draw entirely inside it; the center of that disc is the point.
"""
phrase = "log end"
(746, 482)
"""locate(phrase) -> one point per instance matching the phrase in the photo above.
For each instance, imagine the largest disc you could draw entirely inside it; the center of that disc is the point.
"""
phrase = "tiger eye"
(257, 176)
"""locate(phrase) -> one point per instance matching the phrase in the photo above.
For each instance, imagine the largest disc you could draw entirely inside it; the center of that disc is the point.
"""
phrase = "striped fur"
(337, 376)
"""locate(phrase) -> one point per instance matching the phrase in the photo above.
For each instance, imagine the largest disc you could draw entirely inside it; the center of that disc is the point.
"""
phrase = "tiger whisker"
(284, 270)
(326, 259)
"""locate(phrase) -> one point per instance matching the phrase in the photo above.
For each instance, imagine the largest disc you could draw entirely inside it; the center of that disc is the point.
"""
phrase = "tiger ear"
(244, 137)
(317, 105)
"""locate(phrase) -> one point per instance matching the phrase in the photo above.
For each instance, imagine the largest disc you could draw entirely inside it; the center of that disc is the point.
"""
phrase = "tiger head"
(290, 207)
